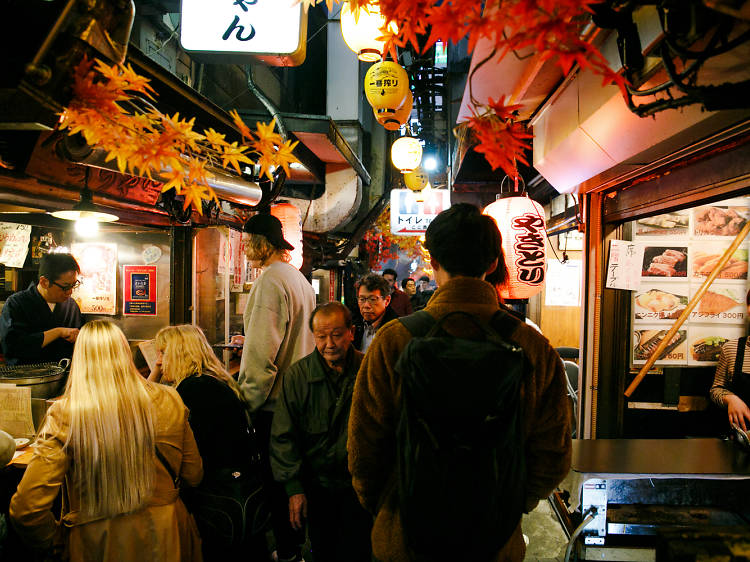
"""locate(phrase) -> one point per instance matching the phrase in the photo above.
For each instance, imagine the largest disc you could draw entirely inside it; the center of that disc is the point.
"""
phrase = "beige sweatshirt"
(276, 332)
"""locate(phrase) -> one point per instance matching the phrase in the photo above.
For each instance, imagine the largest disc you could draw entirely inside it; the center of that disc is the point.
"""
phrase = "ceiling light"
(430, 164)
(85, 209)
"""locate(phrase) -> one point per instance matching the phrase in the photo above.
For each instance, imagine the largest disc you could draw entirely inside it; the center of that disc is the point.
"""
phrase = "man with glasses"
(373, 296)
(41, 323)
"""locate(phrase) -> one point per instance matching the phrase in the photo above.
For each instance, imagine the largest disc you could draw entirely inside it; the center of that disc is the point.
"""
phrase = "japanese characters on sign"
(14, 243)
(410, 217)
(274, 30)
(680, 250)
(98, 291)
(624, 265)
(139, 290)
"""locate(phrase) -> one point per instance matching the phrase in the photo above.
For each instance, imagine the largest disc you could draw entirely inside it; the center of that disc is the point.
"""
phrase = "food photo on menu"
(705, 258)
(705, 342)
(665, 261)
(670, 224)
(662, 303)
(647, 338)
(720, 303)
(720, 219)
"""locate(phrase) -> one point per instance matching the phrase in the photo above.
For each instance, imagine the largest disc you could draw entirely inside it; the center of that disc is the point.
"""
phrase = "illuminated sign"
(410, 217)
(274, 31)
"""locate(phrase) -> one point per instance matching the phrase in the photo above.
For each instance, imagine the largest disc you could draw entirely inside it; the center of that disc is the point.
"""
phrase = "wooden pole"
(689, 308)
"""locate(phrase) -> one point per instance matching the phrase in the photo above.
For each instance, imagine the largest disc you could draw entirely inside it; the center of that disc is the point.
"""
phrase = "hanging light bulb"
(416, 180)
(85, 209)
(87, 227)
(406, 154)
(361, 29)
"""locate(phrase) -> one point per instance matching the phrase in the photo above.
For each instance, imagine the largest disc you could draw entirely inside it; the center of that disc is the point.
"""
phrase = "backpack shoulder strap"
(418, 323)
(504, 323)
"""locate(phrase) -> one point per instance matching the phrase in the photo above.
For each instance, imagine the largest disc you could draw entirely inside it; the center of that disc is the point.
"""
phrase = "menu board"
(98, 291)
(680, 250)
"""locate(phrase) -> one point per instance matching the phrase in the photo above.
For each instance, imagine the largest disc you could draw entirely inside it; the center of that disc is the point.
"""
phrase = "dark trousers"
(339, 526)
(288, 541)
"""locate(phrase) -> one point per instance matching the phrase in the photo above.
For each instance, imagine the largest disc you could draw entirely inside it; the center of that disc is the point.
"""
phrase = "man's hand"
(297, 510)
(739, 413)
(69, 334)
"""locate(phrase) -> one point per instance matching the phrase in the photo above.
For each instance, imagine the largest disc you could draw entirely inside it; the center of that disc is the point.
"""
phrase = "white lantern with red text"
(522, 225)
(291, 225)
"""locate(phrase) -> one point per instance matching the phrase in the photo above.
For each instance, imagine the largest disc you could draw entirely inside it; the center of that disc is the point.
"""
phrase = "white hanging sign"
(14, 243)
(410, 217)
(272, 30)
(624, 265)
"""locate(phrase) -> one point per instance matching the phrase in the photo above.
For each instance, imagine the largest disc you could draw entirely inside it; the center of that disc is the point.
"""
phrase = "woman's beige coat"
(162, 531)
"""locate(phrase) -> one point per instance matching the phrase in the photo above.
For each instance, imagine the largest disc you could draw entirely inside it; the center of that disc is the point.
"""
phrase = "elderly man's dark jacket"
(25, 318)
(308, 436)
(359, 325)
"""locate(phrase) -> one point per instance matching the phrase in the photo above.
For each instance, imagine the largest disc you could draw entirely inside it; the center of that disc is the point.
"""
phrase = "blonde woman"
(219, 423)
(98, 445)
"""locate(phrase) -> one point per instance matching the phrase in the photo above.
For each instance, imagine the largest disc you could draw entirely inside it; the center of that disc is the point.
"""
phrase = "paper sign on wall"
(98, 291)
(624, 265)
(14, 243)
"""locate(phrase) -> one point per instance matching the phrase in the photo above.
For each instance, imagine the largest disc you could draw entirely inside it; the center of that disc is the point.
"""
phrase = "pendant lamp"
(406, 154)
(386, 86)
(416, 180)
(361, 29)
(522, 226)
(394, 121)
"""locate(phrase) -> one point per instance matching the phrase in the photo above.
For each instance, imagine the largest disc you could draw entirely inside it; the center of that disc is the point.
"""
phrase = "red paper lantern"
(291, 225)
(522, 225)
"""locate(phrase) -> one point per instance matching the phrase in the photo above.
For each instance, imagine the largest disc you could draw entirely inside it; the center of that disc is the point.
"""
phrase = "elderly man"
(399, 300)
(464, 246)
(373, 296)
(41, 323)
(308, 440)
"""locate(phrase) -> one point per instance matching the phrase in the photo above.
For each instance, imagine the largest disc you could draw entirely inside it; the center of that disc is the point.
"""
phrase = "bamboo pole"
(689, 308)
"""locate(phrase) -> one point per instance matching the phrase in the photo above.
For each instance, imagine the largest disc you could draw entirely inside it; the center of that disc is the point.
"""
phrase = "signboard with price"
(98, 291)
(139, 290)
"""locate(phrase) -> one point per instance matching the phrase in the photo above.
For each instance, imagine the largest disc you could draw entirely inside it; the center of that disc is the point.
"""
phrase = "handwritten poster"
(624, 265)
(139, 290)
(14, 243)
(236, 261)
(15, 410)
(98, 291)
(566, 290)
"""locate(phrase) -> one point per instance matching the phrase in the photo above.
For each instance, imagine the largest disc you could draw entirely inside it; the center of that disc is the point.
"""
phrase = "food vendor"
(41, 323)
(731, 388)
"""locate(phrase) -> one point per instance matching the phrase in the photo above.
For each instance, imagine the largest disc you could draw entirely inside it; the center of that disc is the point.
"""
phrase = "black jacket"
(25, 318)
(360, 326)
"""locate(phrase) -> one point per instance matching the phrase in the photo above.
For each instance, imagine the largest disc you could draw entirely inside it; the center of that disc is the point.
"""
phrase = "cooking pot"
(47, 380)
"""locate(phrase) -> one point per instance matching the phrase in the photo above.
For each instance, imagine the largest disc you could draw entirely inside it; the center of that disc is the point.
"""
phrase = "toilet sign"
(410, 217)
(227, 31)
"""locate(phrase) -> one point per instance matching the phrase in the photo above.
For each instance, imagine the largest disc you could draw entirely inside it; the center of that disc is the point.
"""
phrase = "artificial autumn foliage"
(551, 27)
(111, 109)
(380, 242)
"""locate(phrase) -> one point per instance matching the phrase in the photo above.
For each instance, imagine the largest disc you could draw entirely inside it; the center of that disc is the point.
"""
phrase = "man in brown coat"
(464, 247)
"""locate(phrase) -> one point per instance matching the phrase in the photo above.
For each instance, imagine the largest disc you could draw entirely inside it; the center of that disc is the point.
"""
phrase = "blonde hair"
(263, 250)
(111, 424)
(186, 353)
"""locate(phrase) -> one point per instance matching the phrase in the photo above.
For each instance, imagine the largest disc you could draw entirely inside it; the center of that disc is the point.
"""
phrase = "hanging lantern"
(406, 154)
(291, 224)
(386, 86)
(361, 29)
(393, 121)
(521, 223)
(416, 180)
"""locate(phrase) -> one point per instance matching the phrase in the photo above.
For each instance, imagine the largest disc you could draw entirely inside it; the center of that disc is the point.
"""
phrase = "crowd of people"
(318, 417)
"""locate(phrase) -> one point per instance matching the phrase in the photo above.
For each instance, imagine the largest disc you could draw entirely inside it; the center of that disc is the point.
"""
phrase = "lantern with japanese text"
(386, 86)
(361, 29)
(393, 121)
(521, 223)
(406, 154)
(291, 225)
(416, 180)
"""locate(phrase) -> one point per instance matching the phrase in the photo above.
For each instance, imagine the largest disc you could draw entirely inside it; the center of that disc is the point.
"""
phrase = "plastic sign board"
(229, 31)
(410, 217)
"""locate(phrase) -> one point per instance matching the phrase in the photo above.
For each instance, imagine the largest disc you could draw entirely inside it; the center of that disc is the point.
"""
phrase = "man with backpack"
(459, 420)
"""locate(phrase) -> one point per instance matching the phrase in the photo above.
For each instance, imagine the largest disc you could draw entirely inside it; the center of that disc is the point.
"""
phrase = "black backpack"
(460, 458)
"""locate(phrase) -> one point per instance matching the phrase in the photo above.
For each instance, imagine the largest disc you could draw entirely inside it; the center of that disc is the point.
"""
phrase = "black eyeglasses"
(371, 300)
(70, 287)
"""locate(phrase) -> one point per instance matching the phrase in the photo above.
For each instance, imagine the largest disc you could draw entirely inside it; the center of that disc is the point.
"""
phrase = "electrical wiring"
(588, 517)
